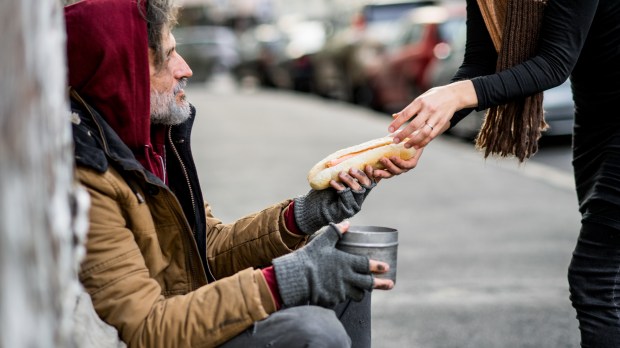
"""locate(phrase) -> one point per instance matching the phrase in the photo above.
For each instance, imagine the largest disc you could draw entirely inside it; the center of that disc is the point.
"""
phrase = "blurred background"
(485, 244)
(376, 54)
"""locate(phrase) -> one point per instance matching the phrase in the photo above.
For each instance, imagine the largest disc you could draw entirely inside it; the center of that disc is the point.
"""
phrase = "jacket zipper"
(191, 192)
(184, 222)
(107, 151)
(163, 165)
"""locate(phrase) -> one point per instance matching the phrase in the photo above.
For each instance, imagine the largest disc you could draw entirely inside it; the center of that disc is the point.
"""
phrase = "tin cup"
(375, 242)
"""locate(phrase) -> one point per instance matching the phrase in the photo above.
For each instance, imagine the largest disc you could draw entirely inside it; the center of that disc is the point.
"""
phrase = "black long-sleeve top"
(580, 39)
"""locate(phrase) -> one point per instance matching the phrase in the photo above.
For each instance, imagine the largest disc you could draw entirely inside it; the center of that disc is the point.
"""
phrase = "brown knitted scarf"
(513, 129)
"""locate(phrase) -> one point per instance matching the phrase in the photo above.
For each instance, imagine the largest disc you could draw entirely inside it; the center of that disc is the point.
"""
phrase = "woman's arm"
(480, 56)
(564, 30)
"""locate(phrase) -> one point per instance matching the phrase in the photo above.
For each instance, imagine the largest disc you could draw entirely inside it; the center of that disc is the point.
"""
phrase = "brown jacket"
(142, 267)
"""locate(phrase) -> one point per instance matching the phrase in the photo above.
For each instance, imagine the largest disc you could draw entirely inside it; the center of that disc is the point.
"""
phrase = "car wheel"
(362, 95)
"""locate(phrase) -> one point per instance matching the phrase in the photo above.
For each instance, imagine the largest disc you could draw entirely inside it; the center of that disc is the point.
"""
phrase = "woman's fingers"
(431, 133)
(383, 174)
(396, 166)
(391, 167)
(403, 116)
(420, 135)
(356, 179)
(412, 130)
(369, 170)
(430, 113)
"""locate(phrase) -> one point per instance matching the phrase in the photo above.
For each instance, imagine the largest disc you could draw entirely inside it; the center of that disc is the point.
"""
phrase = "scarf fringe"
(514, 129)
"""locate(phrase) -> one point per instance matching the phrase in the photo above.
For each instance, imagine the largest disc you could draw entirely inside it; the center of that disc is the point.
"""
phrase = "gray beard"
(165, 110)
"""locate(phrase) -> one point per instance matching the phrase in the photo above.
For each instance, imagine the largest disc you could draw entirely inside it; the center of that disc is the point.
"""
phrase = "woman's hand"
(430, 113)
(395, 166)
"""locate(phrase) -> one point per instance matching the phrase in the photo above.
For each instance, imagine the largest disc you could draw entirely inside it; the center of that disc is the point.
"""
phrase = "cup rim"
(370, 229)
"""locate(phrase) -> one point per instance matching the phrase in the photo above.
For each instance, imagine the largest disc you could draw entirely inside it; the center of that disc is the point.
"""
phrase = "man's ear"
(152, 67)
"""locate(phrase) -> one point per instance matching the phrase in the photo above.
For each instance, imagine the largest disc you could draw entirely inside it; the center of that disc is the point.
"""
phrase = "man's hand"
(340, 201)
(355, 179)
(322, 275)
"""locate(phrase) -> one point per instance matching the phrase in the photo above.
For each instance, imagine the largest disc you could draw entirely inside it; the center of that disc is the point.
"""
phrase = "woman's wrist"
(466, 94)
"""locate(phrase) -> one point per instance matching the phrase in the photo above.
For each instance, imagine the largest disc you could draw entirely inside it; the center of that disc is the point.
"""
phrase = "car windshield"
(450, 29)
(384, 21)
(389, 12)
(193, 16)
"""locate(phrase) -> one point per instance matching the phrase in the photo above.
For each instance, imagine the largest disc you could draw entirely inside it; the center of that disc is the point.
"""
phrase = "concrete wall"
(43, 213)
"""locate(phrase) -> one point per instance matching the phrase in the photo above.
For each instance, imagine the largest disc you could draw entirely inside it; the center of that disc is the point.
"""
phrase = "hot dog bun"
(357, 156)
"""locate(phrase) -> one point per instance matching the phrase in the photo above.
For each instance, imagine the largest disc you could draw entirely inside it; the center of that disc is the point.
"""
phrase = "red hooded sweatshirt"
(107, 49)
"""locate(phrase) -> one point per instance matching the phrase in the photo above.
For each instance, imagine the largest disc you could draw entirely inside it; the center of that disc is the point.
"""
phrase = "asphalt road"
(484, 245)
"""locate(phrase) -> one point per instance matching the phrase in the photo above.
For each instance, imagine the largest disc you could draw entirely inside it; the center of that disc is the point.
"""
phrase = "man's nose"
(182, 70)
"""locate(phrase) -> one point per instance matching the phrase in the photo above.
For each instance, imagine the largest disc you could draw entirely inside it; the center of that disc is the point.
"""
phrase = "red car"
(398, 74)
(340, 68)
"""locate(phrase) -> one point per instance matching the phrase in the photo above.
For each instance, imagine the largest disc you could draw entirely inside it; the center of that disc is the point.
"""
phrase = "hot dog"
(357, 156)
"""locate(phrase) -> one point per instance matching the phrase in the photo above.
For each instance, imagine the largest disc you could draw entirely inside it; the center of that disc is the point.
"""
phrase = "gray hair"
(160, 16)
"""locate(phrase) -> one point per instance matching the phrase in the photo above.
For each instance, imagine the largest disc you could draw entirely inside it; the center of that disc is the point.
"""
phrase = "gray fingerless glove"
(318, 208)
(322, 275)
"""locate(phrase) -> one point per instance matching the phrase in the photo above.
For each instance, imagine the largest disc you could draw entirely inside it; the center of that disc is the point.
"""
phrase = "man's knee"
(318, 327)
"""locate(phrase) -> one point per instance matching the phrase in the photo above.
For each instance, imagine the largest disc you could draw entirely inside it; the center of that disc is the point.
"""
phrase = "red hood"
(107, 48)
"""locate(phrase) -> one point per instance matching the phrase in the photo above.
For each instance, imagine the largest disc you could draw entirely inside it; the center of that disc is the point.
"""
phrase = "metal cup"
(378, 243)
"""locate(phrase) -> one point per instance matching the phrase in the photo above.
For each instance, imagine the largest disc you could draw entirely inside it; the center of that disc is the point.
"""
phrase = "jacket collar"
(97, 145)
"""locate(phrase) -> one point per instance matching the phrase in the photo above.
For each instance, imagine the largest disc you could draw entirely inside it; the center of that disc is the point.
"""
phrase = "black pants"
(347, 325)
(594, 278)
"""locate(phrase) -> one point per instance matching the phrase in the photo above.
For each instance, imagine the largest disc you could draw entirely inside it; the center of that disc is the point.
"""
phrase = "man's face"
(168, 103)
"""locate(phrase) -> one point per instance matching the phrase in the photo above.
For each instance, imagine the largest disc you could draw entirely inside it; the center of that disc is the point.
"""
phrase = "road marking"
(549, 175)
(538, 171)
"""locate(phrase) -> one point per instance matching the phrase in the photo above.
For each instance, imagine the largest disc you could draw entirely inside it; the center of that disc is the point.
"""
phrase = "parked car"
(557, 102)
(398, 75)
(339, 66)
(263, 51)
(277, 54)
(305, 38)
(208, 49)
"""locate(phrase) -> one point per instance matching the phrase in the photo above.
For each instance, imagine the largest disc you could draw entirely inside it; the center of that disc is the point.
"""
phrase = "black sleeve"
(564, 30)
(480, 56)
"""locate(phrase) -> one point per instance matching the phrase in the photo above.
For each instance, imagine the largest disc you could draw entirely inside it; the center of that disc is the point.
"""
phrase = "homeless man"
(159, 266)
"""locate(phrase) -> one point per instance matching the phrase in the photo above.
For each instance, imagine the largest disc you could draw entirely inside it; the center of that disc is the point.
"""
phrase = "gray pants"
(347, 325)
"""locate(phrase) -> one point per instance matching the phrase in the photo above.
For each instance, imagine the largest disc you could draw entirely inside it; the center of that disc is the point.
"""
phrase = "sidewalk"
(484, 245)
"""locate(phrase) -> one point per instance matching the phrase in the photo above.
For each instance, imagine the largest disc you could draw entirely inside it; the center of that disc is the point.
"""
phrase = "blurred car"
(305, 38)
(262, 53)
(207, 49)
(340, 65)
(559, 110)
(277, 54)
(398, 75)
(558, 102)
(559, 113)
